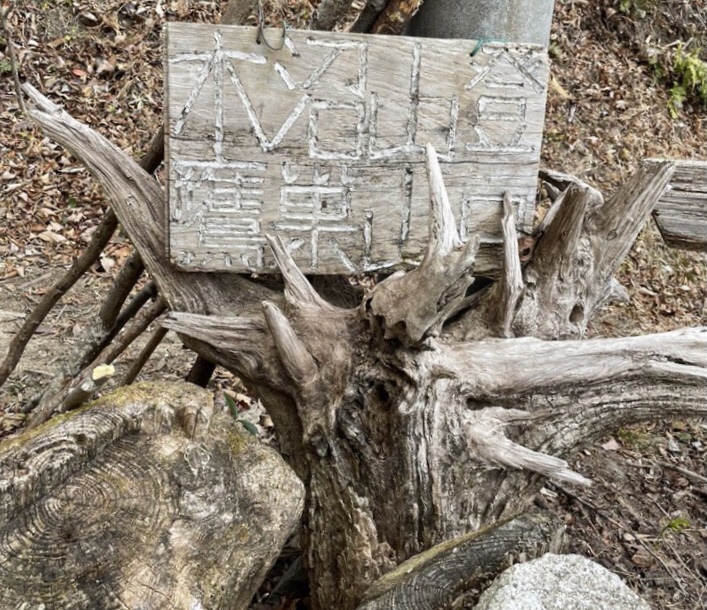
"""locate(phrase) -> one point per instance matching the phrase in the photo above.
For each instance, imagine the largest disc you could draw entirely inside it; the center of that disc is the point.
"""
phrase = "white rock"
(559, 582)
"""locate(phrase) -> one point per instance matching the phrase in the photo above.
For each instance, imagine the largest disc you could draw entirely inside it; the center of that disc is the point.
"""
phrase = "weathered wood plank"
(681, 213)
(323, 142)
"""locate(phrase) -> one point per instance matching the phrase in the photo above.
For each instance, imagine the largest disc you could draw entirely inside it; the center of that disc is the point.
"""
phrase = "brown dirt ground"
(644, 518)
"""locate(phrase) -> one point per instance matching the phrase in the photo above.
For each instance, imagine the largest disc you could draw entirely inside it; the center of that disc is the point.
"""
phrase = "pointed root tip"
(570, 476)
(275, 242)
(269, 307)
(507, 204)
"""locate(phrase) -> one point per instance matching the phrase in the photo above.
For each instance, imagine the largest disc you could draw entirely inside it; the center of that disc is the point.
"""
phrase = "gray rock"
(559, 582)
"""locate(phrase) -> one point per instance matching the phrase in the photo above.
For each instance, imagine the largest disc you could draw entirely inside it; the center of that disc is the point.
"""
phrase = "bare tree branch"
(7, 34)
(149, 162)
(54, 402)
(144, 356)
(139, 327)
(123, 284)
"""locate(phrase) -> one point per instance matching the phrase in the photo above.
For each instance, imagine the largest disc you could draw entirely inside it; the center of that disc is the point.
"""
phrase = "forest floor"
(613, 101)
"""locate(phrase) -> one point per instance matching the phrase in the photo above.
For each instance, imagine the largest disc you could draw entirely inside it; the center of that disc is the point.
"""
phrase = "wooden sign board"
(323, 142)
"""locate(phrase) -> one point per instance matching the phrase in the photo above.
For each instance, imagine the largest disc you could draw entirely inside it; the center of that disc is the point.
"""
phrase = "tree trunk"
(487, 20)
(408, 418)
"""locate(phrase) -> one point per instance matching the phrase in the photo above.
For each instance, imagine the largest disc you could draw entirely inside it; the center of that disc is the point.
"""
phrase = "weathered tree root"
(406, 439)
(98, 334)
(460, 409)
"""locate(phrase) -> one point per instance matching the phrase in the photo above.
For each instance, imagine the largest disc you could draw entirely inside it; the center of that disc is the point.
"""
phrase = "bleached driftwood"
(409, 420)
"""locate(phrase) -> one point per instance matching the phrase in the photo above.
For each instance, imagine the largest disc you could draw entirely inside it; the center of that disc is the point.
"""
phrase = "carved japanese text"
(323, 142)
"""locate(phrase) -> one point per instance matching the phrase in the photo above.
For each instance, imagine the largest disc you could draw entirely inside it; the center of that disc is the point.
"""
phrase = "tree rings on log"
(462, 567)
(129, 503)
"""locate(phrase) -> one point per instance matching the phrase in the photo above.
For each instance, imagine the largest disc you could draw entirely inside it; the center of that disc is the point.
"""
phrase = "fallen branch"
(144, 356)
(123, 285)
(88, 387)
(138, 201)
(55, 402)
(149, 162)
(683, 471)
(139, 327)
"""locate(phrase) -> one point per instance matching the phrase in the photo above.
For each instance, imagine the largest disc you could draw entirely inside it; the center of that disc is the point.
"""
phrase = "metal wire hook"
(261, 30)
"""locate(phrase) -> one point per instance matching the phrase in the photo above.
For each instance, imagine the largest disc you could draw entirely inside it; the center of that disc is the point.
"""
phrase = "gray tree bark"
(490, 20)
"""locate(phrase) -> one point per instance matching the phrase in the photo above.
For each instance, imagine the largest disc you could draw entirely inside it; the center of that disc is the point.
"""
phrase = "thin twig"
(122, 286)
(623, 527)
(13, 60)
(144, 356)
(48, 407)
(137, 328)
(683, 471)
(586, 503)
(136, 303)
(85, 390)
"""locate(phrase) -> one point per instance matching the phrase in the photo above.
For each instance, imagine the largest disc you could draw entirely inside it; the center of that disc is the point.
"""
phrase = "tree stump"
(143, 499)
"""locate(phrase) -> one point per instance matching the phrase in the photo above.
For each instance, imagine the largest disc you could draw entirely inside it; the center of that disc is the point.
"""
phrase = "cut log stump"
(129, 503)
(681, 212)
